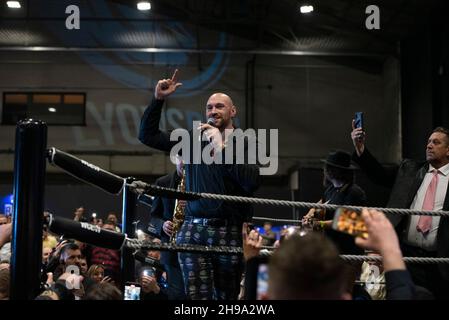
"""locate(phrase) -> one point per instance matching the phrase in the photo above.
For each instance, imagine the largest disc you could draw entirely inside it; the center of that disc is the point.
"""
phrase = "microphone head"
(211, 121)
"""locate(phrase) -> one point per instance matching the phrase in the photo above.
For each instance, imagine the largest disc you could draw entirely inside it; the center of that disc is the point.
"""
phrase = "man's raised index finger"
(174, 77)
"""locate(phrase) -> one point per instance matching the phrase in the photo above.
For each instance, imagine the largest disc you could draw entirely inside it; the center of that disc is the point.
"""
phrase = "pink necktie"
(425, 222)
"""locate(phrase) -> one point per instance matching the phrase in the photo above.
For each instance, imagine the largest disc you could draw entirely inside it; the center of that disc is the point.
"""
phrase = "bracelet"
(322, 225)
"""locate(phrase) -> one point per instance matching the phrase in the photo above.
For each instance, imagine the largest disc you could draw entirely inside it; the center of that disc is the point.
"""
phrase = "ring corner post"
(29, 183)
(128, 218)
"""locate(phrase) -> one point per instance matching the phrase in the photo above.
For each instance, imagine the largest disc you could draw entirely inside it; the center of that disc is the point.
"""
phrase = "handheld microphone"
(211, 121)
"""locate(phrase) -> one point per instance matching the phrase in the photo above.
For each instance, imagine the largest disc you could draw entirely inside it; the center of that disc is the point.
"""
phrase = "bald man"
(207, 222)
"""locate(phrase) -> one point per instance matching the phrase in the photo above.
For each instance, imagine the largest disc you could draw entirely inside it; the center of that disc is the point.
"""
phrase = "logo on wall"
(120, 26)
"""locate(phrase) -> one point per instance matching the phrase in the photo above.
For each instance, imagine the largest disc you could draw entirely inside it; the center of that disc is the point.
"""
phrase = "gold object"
(178, 213)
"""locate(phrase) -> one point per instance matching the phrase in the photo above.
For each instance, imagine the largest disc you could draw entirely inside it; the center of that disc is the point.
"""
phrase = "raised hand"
(138, 186)
(166, 87)
(107, 279)
(50, 281)
(381, 234)
(149, 284)
(252, 242)
(311, 214)
(358, 139)
(57, 249)
(5, 233)
(382, 238)
(168, 227)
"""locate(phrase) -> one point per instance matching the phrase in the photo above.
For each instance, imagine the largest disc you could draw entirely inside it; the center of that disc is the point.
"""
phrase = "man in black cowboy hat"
(340, 189)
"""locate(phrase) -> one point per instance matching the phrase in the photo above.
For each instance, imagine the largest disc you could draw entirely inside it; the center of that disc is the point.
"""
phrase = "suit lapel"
(417, 183)
(446, 199)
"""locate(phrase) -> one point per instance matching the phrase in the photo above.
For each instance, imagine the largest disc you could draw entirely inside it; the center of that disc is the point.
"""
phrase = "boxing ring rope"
(29, 179)
(414, 260)
(87, 172)
(142, 187)
(29, 184)
(114, 184)
(292, 221)
(96, 236)
(237, 250)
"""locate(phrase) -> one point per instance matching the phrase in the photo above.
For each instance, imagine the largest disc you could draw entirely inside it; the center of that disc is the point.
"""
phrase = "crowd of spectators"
(304, 265)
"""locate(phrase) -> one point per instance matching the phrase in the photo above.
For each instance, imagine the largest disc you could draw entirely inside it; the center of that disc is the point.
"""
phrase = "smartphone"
(358, 120)
(349, 222)
(149, 272)
(132, 291)
(256, 278)
(8, 210)
(262, 282)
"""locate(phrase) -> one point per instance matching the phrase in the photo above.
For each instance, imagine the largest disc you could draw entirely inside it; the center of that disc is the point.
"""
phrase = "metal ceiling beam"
(188, 50)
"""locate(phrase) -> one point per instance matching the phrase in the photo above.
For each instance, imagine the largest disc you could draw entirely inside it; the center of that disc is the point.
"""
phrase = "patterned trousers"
(211, 276)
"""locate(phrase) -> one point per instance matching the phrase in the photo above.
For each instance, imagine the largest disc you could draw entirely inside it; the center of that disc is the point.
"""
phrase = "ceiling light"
(52, 109)
(144, 5)
(306, 9)
(13, 4)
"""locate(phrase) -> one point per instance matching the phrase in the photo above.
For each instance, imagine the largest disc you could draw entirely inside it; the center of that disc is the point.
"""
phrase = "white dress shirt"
(412, 236)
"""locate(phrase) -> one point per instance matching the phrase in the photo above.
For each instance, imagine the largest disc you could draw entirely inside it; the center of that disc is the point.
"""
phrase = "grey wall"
(310, 100)
(313, 101)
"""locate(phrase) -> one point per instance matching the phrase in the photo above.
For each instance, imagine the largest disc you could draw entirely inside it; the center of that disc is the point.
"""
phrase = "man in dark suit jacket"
(411, 183)
(161, 226)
